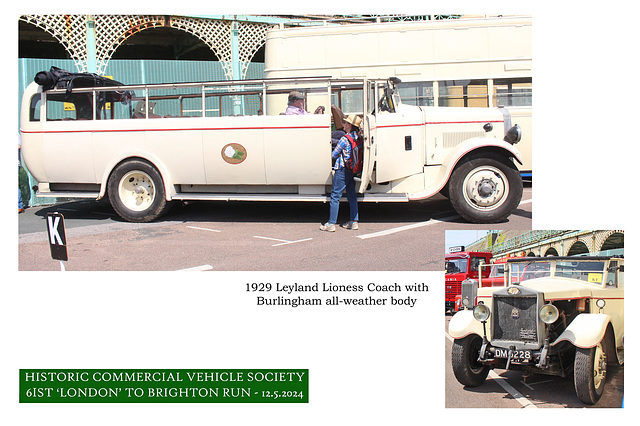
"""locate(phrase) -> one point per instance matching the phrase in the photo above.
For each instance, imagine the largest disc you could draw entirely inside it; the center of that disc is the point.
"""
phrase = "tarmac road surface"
(250, 236)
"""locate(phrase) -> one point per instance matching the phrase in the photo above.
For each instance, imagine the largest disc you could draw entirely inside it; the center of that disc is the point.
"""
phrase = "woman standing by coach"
(343, 178)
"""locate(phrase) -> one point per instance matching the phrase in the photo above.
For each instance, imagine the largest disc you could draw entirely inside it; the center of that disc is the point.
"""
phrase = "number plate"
(516, 356)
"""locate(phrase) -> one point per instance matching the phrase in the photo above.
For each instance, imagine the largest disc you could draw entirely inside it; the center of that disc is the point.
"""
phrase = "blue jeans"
(343, 179)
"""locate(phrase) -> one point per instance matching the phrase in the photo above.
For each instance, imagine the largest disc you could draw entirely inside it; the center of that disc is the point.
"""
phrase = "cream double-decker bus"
(144, 146)
(466, 62)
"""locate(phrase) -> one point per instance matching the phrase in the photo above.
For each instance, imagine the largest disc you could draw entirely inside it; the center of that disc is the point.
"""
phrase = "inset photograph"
(534, 318)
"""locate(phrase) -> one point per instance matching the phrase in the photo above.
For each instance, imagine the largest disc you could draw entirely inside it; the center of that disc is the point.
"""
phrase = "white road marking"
(292, 242)
(506, 386)
(282, 242)
(203, 229)
(511, 390)
(417, 225)
(198, 268)
(406, 227)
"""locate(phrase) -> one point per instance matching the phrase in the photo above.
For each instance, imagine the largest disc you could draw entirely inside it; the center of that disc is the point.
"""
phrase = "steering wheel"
(386, 102)
(383, 105)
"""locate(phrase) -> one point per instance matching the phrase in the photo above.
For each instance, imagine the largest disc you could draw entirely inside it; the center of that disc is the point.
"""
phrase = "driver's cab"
(396, 131)
(380, 99)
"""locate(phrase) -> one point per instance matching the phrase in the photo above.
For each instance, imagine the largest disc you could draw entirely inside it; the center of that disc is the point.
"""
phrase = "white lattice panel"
(69, 30)
(251, 37)
(112, 30)
(216, 34)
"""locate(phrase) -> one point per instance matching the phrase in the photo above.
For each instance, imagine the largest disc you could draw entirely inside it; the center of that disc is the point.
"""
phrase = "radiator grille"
(452, 289)
(515, 318)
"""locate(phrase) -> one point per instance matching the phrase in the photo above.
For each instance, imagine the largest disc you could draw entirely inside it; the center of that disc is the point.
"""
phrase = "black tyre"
(590, 372)
(136, 191)
(485, 188)
(464, 360)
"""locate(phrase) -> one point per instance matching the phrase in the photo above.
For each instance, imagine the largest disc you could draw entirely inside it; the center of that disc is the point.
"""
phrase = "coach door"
(397, 139)
(368, 130)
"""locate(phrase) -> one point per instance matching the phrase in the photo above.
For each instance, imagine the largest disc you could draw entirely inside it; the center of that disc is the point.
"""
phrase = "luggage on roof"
(62, 79)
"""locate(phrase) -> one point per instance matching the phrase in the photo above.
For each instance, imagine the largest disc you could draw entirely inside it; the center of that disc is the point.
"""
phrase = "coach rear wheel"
(136, 191)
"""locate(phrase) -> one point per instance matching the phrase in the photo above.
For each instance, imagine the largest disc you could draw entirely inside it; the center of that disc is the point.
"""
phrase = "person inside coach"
(296, 105)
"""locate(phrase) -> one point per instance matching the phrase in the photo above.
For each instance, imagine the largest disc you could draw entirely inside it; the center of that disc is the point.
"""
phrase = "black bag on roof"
(62, 79)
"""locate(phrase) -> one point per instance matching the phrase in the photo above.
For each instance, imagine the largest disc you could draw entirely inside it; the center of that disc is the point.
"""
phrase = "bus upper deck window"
(512, 92)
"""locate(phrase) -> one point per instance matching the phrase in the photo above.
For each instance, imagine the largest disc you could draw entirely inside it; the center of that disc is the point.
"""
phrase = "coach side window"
(74, 106)
(115, 104)
(34, 108)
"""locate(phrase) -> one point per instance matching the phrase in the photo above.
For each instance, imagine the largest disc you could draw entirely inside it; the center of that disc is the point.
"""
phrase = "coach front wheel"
(485, 188)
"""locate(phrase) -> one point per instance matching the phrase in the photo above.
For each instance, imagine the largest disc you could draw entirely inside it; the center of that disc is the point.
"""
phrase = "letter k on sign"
(57, 238)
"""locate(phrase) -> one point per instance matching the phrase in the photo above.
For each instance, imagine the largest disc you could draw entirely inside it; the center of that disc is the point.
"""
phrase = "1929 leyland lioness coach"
(144, 146)
(565, 315)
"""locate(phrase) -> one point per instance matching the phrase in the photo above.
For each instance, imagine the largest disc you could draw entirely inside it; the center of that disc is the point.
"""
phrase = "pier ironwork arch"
(561, 243)
(90, 40)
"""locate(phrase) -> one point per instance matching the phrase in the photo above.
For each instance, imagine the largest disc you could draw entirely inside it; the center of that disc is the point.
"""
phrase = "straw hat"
(354, 120)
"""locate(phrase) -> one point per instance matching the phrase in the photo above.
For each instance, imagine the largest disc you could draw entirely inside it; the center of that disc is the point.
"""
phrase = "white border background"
(367, 366)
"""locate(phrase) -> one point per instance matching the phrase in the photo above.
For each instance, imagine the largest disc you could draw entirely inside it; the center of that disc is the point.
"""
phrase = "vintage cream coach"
(144, 146)
(556, 316)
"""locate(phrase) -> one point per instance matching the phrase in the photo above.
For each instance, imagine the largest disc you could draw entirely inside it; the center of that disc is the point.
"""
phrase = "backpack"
(354, 163)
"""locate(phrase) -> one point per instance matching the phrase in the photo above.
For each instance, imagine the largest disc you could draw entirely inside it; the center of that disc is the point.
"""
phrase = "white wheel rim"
(485, 188)
(136, 190)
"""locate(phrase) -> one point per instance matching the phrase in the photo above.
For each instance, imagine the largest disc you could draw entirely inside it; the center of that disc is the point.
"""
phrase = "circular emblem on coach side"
(234, 153)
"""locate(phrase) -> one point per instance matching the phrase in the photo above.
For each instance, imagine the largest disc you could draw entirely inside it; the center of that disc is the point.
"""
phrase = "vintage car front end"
(518, 331)
(564, 316)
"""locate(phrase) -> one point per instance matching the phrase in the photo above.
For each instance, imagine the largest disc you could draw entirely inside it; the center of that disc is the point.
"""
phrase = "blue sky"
(462, 238)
